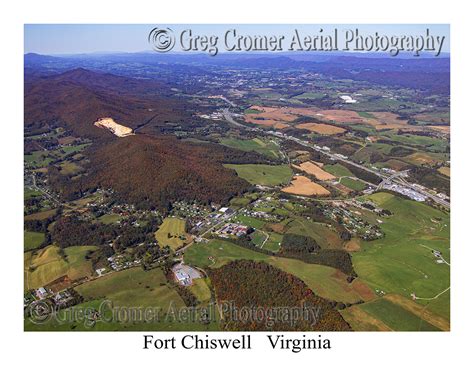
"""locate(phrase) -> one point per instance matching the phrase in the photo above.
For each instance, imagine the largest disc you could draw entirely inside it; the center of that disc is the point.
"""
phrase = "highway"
(385, 178)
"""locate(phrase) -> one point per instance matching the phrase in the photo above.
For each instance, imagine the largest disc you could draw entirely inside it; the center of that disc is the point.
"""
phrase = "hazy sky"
(90, 38)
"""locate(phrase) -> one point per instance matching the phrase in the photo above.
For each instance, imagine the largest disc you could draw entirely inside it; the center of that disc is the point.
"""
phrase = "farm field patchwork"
(313, 169)
(265, 147)
(325, 281)
(403, 261)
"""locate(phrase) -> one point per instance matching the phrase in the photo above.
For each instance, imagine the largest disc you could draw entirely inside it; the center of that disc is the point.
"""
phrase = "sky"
(92, 38)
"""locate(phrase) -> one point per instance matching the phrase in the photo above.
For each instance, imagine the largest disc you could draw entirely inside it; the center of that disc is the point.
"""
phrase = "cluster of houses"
(119, 262)
(353, 223)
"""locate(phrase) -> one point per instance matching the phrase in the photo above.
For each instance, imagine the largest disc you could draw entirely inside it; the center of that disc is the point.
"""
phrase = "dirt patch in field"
(301, 185)
(313, 169)
(352, 245)
(342, 116)
(343, 189)
(419, 310)
(363, 290)
(277, 228)
(420, 158)
(59, 284)
(324, 129)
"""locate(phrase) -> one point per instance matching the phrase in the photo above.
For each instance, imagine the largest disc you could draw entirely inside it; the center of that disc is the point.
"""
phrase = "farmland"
(266, 147)
(305, 167)
(32, 240)
(313, 169)
(172, 233)
(133, 287)
(324, 129)
(403, 261)
(51, 263)
(301, 185)
(325, 281)
(264, 175)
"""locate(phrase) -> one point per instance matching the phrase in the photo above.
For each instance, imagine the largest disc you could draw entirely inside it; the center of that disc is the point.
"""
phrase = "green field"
(402, 262)
(338, 170)
(273, 242)
(172, 233)
(310, 96)
(325, 281)
(249, 221)
(201, 290)
(366, 114)
(262, 174)
(131, 288)
(43, 158)
(109, 218)
(29, 193)
(258, 237)
(355, 185)
(79, 266)
(51, 263)
(395, 316)
(32, 240)
(262, 146)
(325, 237)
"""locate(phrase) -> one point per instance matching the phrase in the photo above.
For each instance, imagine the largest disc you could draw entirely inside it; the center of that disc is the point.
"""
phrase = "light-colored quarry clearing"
(313, 169)
(301, 185)
(109, 124)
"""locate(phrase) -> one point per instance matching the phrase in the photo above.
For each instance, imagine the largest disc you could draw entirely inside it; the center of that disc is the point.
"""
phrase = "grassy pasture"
(200, 289)
(338, 170)
(402, 262)
(355, 185)
(109, 218)
(132, 287)
(265, 147)
(50, 263)
(249, 221)
(171, 233)
(32, 240)
(262, 174)
(29, 193)
(396, 317)
(325, 237)
(273, 242)
(325, 281)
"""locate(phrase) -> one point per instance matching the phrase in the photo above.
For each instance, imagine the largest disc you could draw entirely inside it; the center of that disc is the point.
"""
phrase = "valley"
(260, 176)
